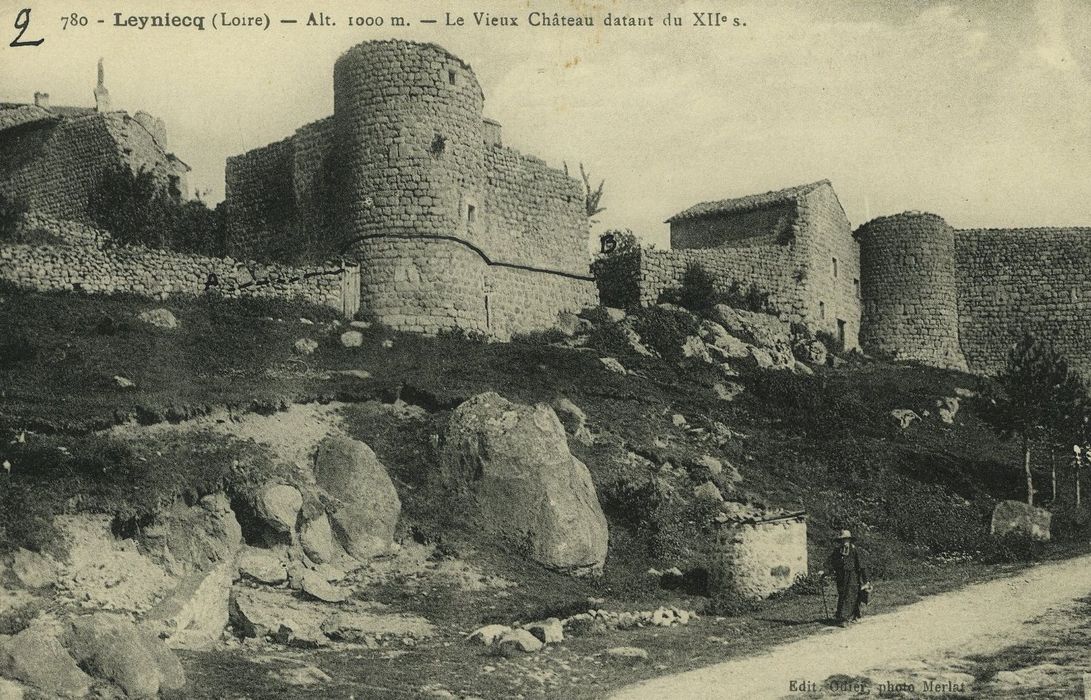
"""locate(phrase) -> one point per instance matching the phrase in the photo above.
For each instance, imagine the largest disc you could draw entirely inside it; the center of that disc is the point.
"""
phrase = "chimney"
(41, 99)
(102, 95)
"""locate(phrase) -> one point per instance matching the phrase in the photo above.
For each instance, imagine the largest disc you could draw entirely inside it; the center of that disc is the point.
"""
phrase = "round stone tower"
(408, 116)
(907, 280)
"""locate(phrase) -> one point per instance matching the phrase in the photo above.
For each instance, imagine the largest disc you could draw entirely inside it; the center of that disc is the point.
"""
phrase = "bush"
(831, 341)
(665, 330)
(542, 337)
(1011, 548)
(136, 210)
(698, 291)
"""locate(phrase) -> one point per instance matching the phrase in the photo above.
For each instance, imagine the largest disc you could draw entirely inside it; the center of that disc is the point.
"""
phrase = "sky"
(977, 111)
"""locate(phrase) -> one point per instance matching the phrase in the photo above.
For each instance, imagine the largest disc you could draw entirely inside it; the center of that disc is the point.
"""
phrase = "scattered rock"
(728, 391)
(628, 653)
(1018, 517)
(694, 348)
(123, 382)
(713, 465)
(304, 676)
(368, 506)
(357, 373)
(305, 346)
(113, 648)
(518, 640)
(904, 417)
(759, 358)
(160, 318)
(763, 330)
(528, 486)
(811, 351)
(10, 690)
(549, 631)
(615, 315)
(278, 505)
(277, 614)
(360, 325)
(574, 420)
(263, 566)
(708, 491)
(613, 365)
(352, 339)
(678, 420)
(316, 586)
(33, 570)
(365, 627)
(195, 613)
(964, 393)
(800, 368)
(947, 408)
(488, 634)
(306, 321)
(388, 343)
(568, 323)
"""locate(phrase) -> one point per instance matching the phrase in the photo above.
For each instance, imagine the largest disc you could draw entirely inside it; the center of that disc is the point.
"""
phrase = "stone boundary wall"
(428, 285)
(640, 277)
(88, 261)
(756, 559)
(259, 200)
(1015, 281)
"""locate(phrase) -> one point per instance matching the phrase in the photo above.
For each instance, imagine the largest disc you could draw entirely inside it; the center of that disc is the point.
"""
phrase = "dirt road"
(918, 649)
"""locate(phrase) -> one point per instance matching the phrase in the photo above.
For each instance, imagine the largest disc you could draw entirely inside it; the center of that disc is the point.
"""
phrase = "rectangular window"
(835, 268)
(471, 213)
(451, 77)
(841, 333)
(821, 310)
(856, 287)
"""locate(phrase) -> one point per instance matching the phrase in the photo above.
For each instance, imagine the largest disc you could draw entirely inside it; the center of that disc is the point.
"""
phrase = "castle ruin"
(451, 228)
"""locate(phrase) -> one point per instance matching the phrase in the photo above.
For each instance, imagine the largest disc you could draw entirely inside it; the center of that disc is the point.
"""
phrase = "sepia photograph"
(567, 349)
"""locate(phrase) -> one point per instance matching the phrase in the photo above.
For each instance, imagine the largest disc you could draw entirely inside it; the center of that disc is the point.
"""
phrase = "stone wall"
(757, 559)
(532, 214)
(428, 285)
(640, 277)
(1016, 281)
(831, 294)
(260, 202)
(56, 165)
(86, 260)
(908, 283)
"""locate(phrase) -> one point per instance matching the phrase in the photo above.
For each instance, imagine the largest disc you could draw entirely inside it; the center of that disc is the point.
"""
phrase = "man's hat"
(845, 535)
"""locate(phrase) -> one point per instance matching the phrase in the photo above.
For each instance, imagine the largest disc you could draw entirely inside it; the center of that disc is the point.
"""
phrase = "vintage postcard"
(545, 348)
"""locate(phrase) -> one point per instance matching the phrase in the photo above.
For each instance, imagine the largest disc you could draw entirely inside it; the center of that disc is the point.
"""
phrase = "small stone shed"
(758, 554)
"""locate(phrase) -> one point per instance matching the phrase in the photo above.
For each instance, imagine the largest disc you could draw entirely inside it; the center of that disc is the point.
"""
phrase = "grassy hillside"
(919, 497)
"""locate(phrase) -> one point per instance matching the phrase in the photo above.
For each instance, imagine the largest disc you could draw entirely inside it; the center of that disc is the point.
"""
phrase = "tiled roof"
(13, 115)
(751, 202)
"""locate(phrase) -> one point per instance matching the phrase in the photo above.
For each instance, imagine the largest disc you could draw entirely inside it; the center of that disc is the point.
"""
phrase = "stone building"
(450, 227)
(907, 287)
(53, 158)
(795, 244)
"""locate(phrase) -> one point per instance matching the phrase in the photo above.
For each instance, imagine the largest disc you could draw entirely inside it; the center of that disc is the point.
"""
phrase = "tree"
(592, 197)
(1036, 397)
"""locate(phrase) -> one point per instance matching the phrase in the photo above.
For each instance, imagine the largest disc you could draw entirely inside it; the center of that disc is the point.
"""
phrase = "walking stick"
(825, 606)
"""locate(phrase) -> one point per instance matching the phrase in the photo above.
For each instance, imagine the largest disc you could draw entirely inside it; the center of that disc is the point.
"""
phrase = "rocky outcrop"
(194, 538)
(113, 648)
(278, 506)
(514, 460)
(37, 657)
(368, 507)
(160, 318)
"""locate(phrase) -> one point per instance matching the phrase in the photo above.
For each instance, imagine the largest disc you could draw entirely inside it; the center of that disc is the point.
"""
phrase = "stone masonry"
(85, 260)
(451, 228)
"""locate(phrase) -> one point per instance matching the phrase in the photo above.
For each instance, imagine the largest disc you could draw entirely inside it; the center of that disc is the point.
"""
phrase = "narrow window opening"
(835, 268)
(841, 333)
(856, 287)
(452, 77)
(822, 310)
(471, 213)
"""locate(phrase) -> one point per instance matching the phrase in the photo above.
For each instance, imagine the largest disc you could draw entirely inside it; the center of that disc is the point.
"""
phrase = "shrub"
(698, 291)
(609, 338)
(831, 341)
(665, 330)
(136, 210)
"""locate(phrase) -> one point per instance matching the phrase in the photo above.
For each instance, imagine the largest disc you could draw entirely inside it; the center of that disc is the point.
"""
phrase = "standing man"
(847, 569)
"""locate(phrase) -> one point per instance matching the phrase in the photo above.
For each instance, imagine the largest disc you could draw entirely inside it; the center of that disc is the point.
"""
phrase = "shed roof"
(748, 203)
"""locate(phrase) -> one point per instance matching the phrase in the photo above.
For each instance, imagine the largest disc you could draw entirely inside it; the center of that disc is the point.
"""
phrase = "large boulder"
(111, 647)
(367, 507)
(32, 569)
(37, 657)
(318, 541)
(1020, 518)
(195, 613)
(194, 538)
(811, 351)
(515, 461)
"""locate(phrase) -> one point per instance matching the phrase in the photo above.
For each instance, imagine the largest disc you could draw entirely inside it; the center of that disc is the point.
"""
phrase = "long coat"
(849, 574)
